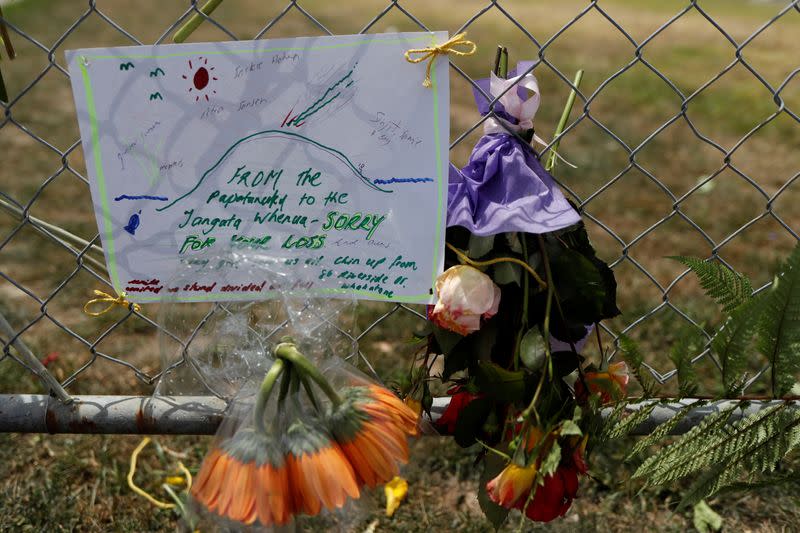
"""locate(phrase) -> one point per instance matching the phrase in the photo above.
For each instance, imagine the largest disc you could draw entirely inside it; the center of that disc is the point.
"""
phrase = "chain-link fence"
(683, 138)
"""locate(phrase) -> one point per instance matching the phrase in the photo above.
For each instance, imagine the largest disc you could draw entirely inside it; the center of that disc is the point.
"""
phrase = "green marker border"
(108, 224)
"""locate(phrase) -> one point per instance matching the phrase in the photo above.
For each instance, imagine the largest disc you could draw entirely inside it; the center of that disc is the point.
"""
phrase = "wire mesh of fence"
(682, 138)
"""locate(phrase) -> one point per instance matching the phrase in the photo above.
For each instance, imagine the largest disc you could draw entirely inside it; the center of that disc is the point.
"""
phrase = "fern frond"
(752, 458)
(630, 422)
(663, 429)
(681, 357)
(635, 360)
(711, 482)
(610, 421)
(779, 328)
(666, 457)
(730, 446)
(728, 288)
(762, 482)
(733, 341)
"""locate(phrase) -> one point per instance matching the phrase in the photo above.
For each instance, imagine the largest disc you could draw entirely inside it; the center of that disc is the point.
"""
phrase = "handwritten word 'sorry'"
(233, 171)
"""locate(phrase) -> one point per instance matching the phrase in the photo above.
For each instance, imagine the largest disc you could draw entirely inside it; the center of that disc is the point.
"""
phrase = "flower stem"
(264, 393)
(562, 123)
(289, 353)
(524, 321)
(195, 20)
(464, 258)
(494, 450)
(309, 392)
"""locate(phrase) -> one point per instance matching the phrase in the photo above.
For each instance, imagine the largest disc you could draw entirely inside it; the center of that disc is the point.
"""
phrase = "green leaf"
(427, 397)
(456, 361)
(733, 340)
(505, 273)
(665, 459)
(480, 246)
(635, 360)
(550, 462)
(581, 288)
(446, 339)
(504, 385)
(627, 424)
(532, 349)
(779, 328)
(753, 444)
(514, 242)
(568, 427)
(705, 519)
(470, 421)
(663, 429)
(681, 356)
(772, 439)
(578, 240)
(728, 288)
(493, 464)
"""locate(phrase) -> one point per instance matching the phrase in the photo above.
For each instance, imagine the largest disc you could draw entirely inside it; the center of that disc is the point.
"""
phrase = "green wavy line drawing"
(333, 151)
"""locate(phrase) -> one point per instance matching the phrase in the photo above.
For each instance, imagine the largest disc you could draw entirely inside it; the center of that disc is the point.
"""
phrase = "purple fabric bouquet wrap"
(504, 187)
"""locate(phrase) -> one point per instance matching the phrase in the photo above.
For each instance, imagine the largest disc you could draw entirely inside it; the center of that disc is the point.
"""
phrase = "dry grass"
(77, 482)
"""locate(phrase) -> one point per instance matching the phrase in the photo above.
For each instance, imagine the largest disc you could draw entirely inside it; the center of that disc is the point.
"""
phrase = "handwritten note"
(324, 152)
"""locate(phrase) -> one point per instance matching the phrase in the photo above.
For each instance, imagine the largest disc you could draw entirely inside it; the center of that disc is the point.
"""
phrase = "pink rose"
(465, 295)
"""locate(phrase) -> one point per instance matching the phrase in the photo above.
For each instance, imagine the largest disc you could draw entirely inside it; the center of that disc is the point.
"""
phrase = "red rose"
(459, 398)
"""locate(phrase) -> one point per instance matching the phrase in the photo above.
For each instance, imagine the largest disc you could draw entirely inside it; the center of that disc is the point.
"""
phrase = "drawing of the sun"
(201, 77)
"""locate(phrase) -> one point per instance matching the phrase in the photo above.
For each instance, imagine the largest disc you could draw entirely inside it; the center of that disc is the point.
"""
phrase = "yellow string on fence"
(448, 47)
(104, 297)
(465, 259)
(144, 494)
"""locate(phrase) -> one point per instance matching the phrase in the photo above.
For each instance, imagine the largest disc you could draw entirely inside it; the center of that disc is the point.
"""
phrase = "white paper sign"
(323, 152)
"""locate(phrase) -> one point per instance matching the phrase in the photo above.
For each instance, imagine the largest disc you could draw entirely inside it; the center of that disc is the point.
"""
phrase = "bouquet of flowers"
(522, 291)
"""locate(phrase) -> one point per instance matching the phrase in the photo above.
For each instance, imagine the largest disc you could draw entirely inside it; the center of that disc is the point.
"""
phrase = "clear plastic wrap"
(214, 348)
(306, 434)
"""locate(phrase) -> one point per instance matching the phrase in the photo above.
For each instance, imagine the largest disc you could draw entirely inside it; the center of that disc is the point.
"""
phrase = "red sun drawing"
(201, 77)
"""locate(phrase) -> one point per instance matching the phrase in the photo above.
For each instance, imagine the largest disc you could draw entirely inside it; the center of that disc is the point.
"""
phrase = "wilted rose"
(459, 398)
(512, 487)
(465, 295)
(610, 384)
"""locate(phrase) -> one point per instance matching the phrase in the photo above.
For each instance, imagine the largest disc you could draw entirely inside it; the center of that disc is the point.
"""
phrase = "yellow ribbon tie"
(104, 297)
(448, 47)
(187, 478)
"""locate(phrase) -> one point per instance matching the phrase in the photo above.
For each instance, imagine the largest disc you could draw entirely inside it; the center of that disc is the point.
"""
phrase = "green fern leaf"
(727, 287)
(663, 429)
(724, 445)
(635, 360)
(664, 459)
(733, 341)
(711, 482)
(750, 458)
(779, 328)
(630, 422)
(681, 357)
(610, 421)
(764, 481)
(757, 442)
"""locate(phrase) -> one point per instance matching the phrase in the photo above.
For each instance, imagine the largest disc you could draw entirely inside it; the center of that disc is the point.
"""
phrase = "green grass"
(77, 482)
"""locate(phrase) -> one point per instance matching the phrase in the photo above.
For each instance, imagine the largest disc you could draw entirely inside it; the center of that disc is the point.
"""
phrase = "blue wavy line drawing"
(401, 180)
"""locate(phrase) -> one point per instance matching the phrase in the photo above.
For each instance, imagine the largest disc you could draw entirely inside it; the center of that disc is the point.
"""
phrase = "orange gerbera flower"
(245, 479)
(320, 475)
(372, 426)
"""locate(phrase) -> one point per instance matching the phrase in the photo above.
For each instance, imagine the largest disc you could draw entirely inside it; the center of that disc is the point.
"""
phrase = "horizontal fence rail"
(39, 321)
(201, 415)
